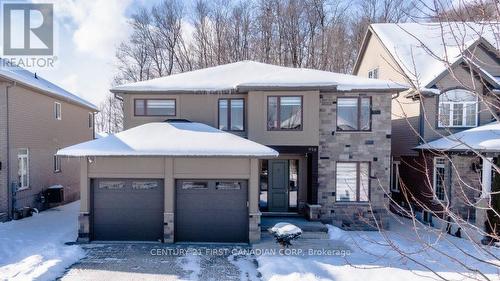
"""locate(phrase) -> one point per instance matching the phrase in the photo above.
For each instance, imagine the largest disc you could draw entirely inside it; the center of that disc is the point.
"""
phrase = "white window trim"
(91, 120)
(434, 177)
(464, 113)
(372, 71)
(19, 157)
(57, 164)
(395, 165)
(56, 115)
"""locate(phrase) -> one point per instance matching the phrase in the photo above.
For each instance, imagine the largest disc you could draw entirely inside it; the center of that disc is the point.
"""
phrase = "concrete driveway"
(159, 262)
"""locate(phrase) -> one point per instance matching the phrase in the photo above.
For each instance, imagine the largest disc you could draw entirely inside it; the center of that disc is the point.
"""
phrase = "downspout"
(10, 198)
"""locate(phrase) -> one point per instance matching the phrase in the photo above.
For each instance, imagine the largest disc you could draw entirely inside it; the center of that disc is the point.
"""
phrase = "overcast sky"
(88, 32)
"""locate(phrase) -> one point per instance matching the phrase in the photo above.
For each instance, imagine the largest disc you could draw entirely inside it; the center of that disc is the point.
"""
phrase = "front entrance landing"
(310, 229)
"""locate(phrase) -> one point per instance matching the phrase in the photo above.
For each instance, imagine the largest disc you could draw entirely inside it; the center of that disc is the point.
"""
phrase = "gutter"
(10, 196)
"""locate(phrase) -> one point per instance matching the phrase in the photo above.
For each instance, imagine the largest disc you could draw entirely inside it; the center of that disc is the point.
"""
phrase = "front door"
(278, 186)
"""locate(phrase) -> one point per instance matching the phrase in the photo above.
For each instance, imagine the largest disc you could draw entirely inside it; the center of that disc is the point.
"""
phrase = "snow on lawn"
(371, 258)
(33, 248)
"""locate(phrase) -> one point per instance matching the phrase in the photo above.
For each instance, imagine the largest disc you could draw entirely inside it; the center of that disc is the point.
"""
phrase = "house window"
(57, 164)
(154, 107)
(352, 182)
(91, 120)
(23, 172)
(457, 108)
(194, 185)
(439, 176)
(395, 177)
(232, 114)
(373, 73)
(284, 113)
(354, 114)
(57, 111)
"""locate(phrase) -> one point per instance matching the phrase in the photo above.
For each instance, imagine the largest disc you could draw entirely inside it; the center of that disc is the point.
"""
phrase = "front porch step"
(305, 235)
(281, 214)
(314, 227)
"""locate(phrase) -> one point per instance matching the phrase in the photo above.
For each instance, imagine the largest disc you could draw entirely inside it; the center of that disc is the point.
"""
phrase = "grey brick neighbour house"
(456, 75)
(36, 119)
(329, 136)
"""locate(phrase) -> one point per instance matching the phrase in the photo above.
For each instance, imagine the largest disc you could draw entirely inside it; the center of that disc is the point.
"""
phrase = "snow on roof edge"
(66, 96)
(171, 140)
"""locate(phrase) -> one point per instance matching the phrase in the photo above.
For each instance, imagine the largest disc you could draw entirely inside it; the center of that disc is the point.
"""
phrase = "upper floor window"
(352, 181)
(284, 113)
(373, 73)
(232, 114)
(57, 111)
(457, 108)
(354, 114)
(154, 107)
(23, 169)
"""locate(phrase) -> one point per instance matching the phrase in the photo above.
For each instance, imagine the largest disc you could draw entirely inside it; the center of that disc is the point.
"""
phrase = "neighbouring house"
(37, 118)
(454, 71)
(206, 153)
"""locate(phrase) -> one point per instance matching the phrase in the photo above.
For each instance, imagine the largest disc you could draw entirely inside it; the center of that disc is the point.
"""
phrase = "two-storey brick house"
(37, 118)
(453, 69)
(288, 140)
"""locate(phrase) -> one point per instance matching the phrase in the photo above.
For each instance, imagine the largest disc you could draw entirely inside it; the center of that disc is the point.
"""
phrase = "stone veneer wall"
(373, 147)
(465, 186)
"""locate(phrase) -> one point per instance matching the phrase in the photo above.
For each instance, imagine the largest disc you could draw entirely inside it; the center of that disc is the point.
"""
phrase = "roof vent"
(177, 121)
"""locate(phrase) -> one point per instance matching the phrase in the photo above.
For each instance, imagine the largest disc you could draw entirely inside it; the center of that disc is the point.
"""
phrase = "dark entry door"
(278, 185)
(211, 211)
(128, 209)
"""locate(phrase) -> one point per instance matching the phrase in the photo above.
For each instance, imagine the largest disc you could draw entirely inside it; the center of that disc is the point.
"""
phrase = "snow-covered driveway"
(33, 248)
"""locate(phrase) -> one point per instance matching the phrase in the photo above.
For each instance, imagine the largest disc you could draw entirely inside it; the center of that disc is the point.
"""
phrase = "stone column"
(484, 199)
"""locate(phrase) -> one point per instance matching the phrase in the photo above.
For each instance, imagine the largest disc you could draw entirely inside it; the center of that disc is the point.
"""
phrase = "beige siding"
(405, 112)
(449, 81)
(257, 125)
(486, 61)
(201, 108)
(32, 125)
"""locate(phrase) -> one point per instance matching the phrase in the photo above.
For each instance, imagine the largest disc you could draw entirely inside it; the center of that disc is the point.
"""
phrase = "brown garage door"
(211, 211)
(127, 209)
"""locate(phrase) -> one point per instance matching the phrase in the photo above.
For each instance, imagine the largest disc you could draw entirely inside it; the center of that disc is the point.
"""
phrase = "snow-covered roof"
(100, 135)
(484, 138)
(246, 75)
(171, 139)
(424, 50)
(29, 79)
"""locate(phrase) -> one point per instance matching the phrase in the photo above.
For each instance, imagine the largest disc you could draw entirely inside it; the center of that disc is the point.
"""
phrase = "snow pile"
(170, 139)
(484, 138)
(373, 258)
(27, 78)
(285, 232)
(251, 74)
(33, 248)
(285, 229)
(424, 50)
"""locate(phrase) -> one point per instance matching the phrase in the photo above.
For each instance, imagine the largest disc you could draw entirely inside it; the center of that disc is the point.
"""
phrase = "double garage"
(205, 210)
(169, 182)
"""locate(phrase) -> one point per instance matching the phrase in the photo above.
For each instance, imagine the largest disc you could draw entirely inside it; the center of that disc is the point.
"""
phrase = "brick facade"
(373, 147)
(4, 203)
